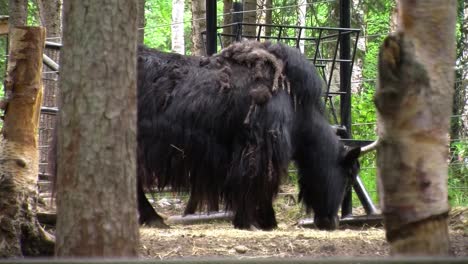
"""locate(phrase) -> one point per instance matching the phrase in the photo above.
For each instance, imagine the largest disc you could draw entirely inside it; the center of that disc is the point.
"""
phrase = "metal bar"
(332, 70)
(345, 81)
(298, 39)
(333, 109)
(347, 30)
(345, 53)
(259, 32)
(374, 220)
(284, 37)
(331, 60)
(49, 62)
(335, 93)
(53, 45)
(318, 45)
(211, 27)
(279, 33)
(239, 31)
(49, 110)
(356, 142)
(353, 56)
(221, 44)
(364, 197)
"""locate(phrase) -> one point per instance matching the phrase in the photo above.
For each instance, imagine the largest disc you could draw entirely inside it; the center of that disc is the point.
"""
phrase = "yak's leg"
(213, 203)
(191, 206)
(266, 216)
(241, 221)
(244, 217)
(148, 215)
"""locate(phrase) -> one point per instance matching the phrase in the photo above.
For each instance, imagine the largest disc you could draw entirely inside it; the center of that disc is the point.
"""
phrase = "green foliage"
(319, 15)
(458, 170)
(33, 14)
(158, 16)
(377, 22)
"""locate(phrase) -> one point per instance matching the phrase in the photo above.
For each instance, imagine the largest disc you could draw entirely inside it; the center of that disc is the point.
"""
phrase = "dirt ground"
(220, 239)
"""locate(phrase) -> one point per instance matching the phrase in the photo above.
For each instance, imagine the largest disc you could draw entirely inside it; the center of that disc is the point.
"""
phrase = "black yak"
(226, 127)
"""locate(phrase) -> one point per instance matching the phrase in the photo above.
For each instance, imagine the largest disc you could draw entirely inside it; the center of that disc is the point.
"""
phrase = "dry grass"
(288, 240)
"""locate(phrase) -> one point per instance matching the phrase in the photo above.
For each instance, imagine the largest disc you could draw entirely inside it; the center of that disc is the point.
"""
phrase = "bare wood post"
(21, 233)
(3, 25)
(414, 102)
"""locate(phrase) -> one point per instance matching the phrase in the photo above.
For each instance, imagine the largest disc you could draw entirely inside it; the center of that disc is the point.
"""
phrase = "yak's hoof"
(156, 223)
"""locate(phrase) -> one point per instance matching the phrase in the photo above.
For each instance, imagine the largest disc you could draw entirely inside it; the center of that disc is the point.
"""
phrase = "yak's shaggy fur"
(228, 126)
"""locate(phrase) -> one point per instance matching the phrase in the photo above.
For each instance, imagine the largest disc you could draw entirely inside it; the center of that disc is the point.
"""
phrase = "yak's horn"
(372, 146)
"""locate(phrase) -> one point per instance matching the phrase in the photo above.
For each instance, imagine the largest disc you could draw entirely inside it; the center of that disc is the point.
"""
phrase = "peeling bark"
(414, 102)
(20, 232)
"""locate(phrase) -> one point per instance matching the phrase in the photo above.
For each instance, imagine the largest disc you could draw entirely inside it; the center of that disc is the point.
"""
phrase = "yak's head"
(325, 179)
(341, 180)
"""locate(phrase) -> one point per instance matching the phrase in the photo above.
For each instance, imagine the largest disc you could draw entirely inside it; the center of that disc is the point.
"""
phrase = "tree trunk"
(21, 234)
(357, 16)
(250, 16)
(96, 184)
(414, 102)
(50, 13)
(268, 16)
(227, 19)
(178, 42)
(141, 21)
(301, 18)
(198, 25)
(18, 12)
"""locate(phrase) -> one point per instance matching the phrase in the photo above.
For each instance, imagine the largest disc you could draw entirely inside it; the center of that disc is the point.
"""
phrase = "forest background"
(175, 25)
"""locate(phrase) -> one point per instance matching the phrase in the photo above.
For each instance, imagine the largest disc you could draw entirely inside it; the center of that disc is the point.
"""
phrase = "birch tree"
(177, 28)
(414, 103)
(301, 20)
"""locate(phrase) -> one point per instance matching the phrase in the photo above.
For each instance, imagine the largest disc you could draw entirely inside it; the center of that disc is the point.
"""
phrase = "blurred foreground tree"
(414, 103)
(96, 174)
